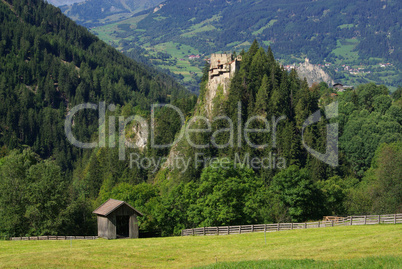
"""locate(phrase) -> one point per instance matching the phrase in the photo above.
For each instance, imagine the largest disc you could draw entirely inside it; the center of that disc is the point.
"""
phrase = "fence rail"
(347, 221)
(50, 237)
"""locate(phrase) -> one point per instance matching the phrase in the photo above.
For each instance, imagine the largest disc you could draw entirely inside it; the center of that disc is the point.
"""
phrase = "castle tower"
(221, 71)
(222, 65)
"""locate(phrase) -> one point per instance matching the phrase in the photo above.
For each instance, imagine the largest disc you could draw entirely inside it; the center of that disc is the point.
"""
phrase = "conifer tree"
(270, 55)
(248, 56)
(262, 99)
(259, 67)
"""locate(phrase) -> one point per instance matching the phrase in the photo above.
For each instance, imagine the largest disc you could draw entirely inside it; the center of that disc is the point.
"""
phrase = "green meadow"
(346, 49)
(371, 246)
(270, 24)
(366, 263)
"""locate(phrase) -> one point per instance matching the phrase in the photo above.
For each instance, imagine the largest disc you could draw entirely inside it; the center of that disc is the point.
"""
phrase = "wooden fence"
(347, 221)
(54, 238)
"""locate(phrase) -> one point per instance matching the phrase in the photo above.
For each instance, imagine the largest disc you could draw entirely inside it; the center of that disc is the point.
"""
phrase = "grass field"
(180, 54)
(343, 26)
(199, 30)
(341, 247)
(345, 48)
(366, 263)
(107, 32)
(270, 24)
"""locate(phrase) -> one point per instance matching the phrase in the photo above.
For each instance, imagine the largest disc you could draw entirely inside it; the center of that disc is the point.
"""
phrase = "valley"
(340, 33)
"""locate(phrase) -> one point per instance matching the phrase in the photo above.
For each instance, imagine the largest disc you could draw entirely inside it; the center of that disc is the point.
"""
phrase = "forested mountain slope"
(358, 34)
(235, 178)
(312, 27)
(48, 65)
(97, 12)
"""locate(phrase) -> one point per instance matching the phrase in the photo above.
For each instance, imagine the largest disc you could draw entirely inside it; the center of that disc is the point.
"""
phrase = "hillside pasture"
(322, 248)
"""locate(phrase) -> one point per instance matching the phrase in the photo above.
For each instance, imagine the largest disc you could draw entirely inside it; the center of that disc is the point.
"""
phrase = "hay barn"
(117, 219)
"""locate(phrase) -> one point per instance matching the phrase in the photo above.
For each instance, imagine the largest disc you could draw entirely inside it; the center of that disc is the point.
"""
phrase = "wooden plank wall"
(347, 221)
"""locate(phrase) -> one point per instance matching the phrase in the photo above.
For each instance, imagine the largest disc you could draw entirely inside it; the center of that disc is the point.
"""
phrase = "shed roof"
(111, 205)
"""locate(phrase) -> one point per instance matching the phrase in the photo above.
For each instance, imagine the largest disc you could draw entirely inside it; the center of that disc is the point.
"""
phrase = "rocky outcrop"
(138, 135)
(222, 70)
(313, 73)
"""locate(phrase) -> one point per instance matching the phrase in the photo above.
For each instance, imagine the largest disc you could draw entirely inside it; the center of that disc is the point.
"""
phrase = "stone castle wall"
(222, 69)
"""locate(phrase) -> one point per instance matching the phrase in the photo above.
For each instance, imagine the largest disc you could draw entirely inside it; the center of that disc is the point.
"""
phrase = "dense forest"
(98, 12)
(48, 65)
(367, 179)
(48, 186)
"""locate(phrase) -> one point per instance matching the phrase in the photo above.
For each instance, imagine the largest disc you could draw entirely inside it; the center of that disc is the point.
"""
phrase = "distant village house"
(340, 88)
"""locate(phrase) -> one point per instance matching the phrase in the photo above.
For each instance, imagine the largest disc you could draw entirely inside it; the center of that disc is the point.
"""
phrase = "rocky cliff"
(313, 73)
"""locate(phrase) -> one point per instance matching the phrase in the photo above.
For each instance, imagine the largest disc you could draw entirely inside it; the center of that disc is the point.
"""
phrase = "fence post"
(228, 230)
(394, 218)
(365, 220)
(217, 230)
(278, 226)
(305, 225)
(318, 224)
(332, 223)
(265, 228)
(203, 230)
(379, 219)
(193, 231)
(291, 225)
(351, 220)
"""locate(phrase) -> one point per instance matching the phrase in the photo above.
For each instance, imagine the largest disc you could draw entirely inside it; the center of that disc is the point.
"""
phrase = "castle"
(222, 69)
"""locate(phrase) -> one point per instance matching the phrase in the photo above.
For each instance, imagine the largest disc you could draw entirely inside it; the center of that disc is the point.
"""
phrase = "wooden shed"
(117, 219)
